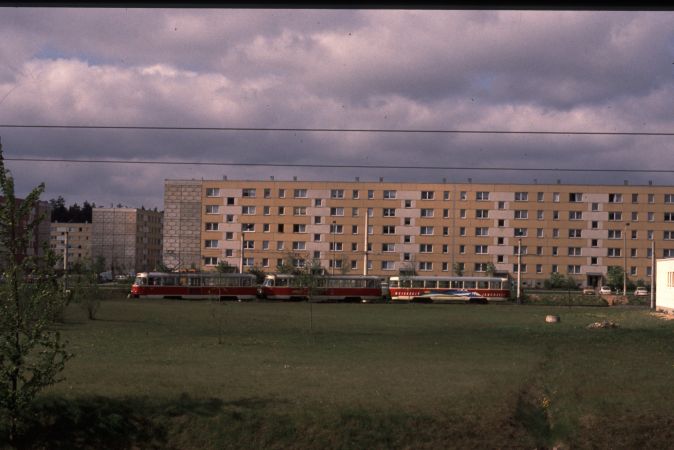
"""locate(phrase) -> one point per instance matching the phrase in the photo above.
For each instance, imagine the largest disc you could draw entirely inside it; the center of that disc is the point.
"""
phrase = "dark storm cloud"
(470, 70)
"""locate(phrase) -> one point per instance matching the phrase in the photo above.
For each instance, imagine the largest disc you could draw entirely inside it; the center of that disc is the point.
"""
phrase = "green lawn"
(202, 375)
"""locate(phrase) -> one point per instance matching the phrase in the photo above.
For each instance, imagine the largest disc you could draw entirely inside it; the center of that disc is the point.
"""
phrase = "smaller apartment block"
(129, 239)
(78, 238)
(382, 228)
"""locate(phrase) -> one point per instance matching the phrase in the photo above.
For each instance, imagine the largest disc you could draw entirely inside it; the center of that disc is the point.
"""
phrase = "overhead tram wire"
(339, 130)
(335, 166)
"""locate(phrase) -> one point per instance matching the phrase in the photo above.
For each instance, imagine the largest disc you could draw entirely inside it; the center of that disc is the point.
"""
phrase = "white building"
(664, 282)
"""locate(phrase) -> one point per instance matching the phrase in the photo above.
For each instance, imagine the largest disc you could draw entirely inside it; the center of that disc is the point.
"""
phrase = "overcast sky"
(339, 69)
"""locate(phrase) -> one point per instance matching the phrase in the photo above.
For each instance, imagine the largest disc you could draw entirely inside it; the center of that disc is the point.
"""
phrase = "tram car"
(338, 288)
(209, 285)
(438, 288)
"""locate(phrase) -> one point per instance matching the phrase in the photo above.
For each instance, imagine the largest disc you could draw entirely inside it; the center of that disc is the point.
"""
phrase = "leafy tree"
(86, 293)
(490, 269)
(458, 269)
(259, 273)
(31, 353)
(614, 277)
(225, 267)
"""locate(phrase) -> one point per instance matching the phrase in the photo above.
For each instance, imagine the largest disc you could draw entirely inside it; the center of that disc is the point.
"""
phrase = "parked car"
(604, 290)
(588, 291)
(641, 291)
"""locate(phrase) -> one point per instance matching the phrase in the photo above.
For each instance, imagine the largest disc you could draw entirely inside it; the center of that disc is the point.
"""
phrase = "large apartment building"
(382, 228)
(129, 239)
(71, 243)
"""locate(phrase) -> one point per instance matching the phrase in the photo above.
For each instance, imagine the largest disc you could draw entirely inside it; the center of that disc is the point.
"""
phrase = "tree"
(614, 276)
(31, 354)
(225, 267)
(490, 269)
(458, 269)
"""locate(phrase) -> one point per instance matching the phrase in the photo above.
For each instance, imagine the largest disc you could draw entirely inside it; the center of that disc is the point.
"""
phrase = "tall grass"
(178, 374)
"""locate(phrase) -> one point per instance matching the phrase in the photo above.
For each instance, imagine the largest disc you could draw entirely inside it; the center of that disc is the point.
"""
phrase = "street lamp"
(627, 224)
(334, 231)
(519, 269)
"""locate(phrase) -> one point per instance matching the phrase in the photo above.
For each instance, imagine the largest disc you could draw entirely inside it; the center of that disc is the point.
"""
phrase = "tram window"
(406, 283)
(193, 281)
(169, 281)
(444, 284)
(151, 281)
(469, 285)
(483, 284)
(246, 281)
(417, 283)
(394, 283)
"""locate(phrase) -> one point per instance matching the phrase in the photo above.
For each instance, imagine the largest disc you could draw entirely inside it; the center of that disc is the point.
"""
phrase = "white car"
(641, 291)
(604, 290)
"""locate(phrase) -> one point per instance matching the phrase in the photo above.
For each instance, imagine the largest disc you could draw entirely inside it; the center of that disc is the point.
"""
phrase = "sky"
(300, 69)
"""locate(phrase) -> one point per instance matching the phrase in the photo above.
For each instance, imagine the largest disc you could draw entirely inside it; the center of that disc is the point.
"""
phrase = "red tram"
(358, 288)
(224, 286)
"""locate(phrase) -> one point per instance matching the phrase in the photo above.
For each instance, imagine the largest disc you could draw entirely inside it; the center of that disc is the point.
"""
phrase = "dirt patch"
(662, 315)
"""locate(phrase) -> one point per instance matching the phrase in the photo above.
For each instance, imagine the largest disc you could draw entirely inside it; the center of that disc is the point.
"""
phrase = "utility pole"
(65, 263)
(334, 230)
(653, 274)
(519, 270)
(625, 261)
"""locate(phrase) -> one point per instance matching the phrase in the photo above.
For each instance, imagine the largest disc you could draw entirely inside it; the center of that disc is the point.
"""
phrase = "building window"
(336, 211)
(354, 212)
(336, 246)
(521, 196)
(445, 213)
(615, 198)
(370, 194)
(407, 221)
(520, 232)
(521, 214)
(388, 247)
(463, 195)
(445, 195)
(281, 193)
(336, 229)
(389, 194)
(408, 203)
(300, 245)
(250, 193)
(635, 216)
(481, 231)
(540, 197)
(462, 231)
(669, 217)
(574, 251)
(669, 198)
(615, 234)
(426, 230)
(480, 267)
(250, 245)
(575, 197)
(337, 193)
(427, 195)
(426, 212)
(389, 212)
(425, 248)
(614, 252)
(247, 227)
(266, 228)
(575, 215)
(635, 198)
(445, 231)
(210, 261)
(300, 193)
(651, 198)
(211, 243)
(523, 268)
(212, 209)
(615, 215)
(388, 229)
(212, 226)
(355, 194)
(481, 249)
(573, 269)
(212, 192)
(482, 196)
(299, 228)
(574, 233)
(387, 265)
(481, 213)
(248, 210)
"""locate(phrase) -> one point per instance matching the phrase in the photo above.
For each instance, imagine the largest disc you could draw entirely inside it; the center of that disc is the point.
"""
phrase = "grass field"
(208, 375)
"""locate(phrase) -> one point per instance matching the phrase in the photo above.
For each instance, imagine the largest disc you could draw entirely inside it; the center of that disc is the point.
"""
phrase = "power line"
(336, 166)
(339, 130)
